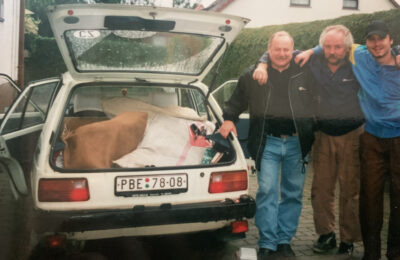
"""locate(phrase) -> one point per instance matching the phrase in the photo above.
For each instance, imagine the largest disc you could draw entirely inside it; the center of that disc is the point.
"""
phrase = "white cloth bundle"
(166, 142)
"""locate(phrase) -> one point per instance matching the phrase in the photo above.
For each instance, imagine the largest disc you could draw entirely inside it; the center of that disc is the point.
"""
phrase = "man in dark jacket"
(336, 150)
(280, 137)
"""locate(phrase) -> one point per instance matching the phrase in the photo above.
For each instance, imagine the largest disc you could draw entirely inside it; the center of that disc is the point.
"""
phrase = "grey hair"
(348, 37)
(280, 34)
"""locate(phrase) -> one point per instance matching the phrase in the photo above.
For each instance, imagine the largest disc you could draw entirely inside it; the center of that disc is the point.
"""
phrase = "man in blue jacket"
(375, 68)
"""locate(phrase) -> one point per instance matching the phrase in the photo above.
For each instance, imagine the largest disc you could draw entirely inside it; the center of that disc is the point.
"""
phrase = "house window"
(300, 2)
(350, 4)
(1, 11)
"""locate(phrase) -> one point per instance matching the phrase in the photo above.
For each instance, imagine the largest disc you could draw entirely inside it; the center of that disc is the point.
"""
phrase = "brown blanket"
(96, 145)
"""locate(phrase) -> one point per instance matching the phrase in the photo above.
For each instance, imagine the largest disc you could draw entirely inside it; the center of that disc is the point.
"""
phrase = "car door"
(20, 129)
(221, 95)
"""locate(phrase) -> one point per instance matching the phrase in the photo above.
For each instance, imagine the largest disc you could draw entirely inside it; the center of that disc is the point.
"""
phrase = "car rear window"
(144, 51)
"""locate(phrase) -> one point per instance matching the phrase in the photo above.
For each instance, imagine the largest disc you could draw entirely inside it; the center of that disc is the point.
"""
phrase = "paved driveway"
(305, 236)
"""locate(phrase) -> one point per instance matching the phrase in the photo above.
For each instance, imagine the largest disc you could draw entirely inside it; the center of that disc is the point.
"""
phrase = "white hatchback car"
(126, 140)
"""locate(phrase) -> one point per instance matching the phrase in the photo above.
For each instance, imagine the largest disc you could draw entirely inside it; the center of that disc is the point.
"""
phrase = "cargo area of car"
(138, 126)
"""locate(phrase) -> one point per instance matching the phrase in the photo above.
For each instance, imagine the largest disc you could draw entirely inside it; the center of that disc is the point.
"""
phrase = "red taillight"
(227, 181)
(56, 241)
(62, 190)
(240, 227)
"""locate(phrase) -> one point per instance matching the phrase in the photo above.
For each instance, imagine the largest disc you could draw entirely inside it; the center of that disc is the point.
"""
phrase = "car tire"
(23, 228)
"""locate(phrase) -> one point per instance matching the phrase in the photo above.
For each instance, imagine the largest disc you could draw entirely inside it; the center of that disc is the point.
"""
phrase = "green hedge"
(45, 60)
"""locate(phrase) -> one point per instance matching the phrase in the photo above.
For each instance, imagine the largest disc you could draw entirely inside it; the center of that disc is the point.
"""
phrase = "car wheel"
(23, 236)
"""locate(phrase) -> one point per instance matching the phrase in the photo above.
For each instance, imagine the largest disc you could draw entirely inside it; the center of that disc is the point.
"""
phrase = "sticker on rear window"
(86, 34)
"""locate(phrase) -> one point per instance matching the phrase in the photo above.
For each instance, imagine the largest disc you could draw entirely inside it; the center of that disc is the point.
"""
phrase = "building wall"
(9, 33)
(270, 12)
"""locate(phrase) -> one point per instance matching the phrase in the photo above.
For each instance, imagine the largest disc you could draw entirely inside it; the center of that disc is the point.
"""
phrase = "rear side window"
(8, 94)
(122, 126)
(1, 11)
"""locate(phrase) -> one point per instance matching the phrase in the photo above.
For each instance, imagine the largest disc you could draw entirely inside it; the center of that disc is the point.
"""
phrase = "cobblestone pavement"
(305, 236)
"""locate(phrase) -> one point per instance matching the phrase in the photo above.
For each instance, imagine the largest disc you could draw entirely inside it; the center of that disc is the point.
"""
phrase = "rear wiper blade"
(140, 79)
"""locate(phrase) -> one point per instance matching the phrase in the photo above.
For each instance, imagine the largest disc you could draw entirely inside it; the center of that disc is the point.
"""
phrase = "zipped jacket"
(249, 94)
(379, 94)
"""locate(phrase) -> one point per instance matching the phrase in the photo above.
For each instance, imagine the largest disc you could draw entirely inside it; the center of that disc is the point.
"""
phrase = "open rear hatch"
(140, 111)
(130, 41)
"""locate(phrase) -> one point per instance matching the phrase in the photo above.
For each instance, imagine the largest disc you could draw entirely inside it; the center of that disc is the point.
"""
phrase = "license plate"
(151, 185)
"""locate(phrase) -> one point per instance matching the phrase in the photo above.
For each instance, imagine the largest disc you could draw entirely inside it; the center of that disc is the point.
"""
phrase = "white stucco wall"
(9, 32)
(269, 12)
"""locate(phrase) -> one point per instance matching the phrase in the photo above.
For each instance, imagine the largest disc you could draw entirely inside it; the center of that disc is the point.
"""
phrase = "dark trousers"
(380, 161)
(337, 158)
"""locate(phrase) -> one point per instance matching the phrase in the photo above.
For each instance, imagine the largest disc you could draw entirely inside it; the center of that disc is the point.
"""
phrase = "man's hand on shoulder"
(303, 57)
(227, 127)
(396, 54)
(260, 73)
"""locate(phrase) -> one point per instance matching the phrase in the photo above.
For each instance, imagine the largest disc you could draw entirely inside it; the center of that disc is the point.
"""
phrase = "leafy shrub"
(44, 60)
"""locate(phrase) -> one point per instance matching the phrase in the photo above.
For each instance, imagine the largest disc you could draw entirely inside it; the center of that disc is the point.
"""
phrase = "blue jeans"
(277, 217)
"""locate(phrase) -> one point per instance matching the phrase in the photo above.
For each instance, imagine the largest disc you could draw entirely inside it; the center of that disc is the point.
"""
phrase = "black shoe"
(345, 249)
(325, 243)
(285, 250)
(264, 252)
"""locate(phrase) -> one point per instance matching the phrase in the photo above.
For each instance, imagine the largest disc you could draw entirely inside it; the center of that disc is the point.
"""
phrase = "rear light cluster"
(240, 227)
(227, 181)
(63, 190)
(55, 241)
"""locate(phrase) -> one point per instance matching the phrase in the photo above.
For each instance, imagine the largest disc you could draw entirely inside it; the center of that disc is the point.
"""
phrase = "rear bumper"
(141, 216)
